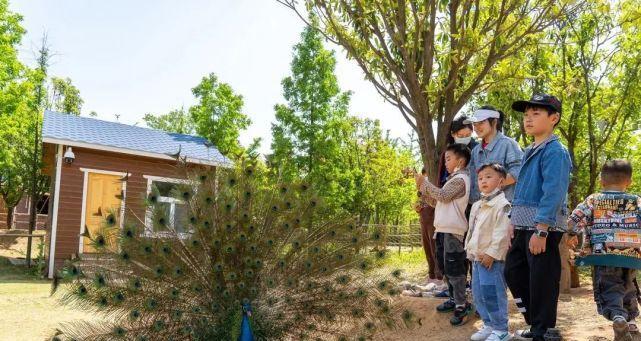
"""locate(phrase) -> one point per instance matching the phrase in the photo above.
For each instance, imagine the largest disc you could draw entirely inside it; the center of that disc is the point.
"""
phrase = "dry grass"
(28, 313)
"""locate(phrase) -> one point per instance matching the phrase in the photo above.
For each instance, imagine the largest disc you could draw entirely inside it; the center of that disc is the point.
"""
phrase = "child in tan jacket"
(486, 245)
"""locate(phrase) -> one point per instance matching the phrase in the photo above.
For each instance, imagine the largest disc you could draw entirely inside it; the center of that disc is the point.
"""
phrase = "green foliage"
(65, 97)
(590, 60)
(429, 58)
(218, 115)
(247, 238)
(177, 121)
(16, 118)
(349, 160)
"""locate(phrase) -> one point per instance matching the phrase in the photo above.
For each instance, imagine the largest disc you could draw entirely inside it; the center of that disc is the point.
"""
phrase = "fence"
(399, 237)
(13, 243)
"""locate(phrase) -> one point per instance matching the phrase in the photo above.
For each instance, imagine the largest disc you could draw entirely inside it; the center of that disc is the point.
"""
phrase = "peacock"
(250, 258)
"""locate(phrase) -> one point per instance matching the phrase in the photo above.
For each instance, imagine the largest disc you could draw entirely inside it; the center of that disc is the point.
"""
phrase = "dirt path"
(577, 320)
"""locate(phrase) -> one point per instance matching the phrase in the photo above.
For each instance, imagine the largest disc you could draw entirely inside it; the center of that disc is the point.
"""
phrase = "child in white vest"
(486, 244)
(450, 203)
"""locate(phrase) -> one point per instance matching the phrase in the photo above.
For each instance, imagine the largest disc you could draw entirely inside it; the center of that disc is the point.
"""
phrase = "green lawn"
(28, 313)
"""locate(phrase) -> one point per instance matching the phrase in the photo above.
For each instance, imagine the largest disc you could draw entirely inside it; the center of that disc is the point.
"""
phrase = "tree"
(311, 128)
(65, 97)
(177, 121)
(429, 58)
(15, 90)
(218, 115)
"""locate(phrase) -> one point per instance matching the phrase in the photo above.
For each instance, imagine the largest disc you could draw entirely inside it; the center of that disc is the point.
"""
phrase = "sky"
(129, 58)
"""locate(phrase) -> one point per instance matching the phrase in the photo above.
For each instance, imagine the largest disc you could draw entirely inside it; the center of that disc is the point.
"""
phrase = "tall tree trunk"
(43, 63)
(10, 216)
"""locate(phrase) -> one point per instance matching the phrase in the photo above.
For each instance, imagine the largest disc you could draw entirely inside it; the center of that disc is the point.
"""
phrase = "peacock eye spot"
(203, 177)
(100, 240)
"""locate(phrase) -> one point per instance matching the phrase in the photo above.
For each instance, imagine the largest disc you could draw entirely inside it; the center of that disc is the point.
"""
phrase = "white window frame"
(149, 232)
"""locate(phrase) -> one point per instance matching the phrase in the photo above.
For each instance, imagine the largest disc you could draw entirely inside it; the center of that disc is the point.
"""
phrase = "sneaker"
(482, 334)
(523, 335)
(632, 327)
(446, 306)
(552, 334)
(621, 329)
(498, 336)
(443, 294)
(461, 315)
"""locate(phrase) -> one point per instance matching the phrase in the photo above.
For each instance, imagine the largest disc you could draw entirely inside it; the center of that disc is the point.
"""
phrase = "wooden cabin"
(98, 167)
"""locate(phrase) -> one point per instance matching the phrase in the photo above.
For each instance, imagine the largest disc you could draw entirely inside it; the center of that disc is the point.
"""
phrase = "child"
(538, 219)
(494, 148)
(610, 220)
(486, 245)
(450, 223)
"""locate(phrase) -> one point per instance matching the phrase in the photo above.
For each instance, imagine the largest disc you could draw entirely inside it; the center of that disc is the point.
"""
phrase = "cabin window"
(176, 211)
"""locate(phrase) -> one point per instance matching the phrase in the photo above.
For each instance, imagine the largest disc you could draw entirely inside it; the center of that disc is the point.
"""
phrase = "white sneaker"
(498, 336)
(523, 335)
(482, 334)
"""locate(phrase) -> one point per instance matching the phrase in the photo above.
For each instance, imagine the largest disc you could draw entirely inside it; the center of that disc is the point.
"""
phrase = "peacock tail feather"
(241, 240)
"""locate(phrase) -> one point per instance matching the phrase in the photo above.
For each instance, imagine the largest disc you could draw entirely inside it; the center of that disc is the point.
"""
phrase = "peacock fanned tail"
(247, 253)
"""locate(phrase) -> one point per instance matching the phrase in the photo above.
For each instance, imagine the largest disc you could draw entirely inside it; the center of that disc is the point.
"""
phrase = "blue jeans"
(490, 295)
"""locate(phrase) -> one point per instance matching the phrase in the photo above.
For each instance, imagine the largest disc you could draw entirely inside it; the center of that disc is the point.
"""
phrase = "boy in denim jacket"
(538, 219)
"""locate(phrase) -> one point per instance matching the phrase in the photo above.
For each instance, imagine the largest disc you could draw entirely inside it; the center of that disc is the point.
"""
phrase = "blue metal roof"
(90, 132)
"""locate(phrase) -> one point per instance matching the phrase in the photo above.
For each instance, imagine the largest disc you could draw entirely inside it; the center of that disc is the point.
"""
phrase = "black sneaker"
(446, 306)
(461, 315)
(552, 334)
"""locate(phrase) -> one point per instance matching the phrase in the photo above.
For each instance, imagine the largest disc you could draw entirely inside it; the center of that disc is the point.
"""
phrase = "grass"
(412, 263)
(28, 312)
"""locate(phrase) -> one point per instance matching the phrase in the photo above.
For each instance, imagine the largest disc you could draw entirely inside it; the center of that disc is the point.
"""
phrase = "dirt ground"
(577, 320)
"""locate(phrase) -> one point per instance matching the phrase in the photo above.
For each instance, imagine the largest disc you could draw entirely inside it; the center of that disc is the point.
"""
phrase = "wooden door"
(104, 197)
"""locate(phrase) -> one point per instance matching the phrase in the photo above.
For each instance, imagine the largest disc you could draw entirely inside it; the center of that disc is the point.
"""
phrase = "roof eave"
(81, 144)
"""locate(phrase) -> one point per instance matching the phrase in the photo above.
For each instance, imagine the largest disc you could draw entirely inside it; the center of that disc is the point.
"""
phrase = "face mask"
(463, 140)
(496, 190)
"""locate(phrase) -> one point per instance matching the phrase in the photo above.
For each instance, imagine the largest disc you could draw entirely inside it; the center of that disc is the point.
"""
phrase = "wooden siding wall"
(70, 206)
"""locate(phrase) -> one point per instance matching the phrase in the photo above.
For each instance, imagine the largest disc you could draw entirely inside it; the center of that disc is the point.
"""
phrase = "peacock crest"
(248, 258)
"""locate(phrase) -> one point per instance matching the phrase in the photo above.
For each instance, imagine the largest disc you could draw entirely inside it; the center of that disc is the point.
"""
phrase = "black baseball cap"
(539, 100)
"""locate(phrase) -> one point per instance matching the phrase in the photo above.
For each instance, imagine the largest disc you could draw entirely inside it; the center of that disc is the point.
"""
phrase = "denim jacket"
(541, 192)
(502, 150)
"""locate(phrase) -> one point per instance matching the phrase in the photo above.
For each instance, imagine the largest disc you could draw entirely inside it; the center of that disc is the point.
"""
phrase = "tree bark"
(10, 216)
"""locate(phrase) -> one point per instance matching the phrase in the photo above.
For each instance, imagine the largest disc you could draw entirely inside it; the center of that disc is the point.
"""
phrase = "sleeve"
(513, 159)
(470, 222)
(500, 235)
(577, 221)
(556, 167)
(452, 189)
